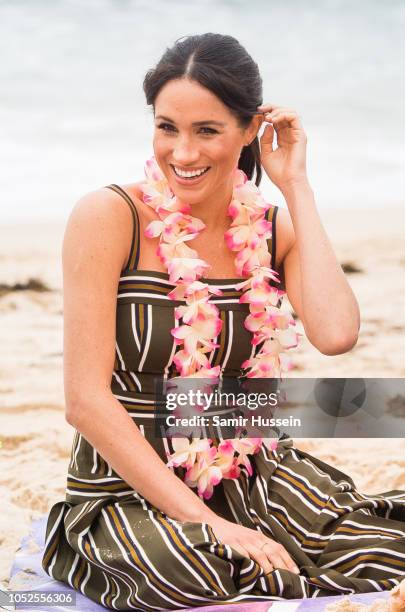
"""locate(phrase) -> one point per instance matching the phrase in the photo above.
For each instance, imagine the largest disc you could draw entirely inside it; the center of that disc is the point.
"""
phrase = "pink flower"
(245, 447)
(226, 460)
(185, 452)
(204, 474)
(186, 268)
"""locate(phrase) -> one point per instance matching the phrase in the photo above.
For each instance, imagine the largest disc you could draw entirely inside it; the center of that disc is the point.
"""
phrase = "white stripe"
(231, 507)
(400, 497)
(340, 483)
(148, 336)
(86, 508)
(115, 598)
(136, 380)
(338, 587)
(377, 566)
(301, 478)
(98, 494)
(230, 339)
(167, 299)
(79, 440)
(118, 379)
(54, 528)
(147, 278)
(276, 574)
(94, 468)
(134, 401)
(242, 497)
(176, 323)
(248, 568)
(169, 284)
(359, 537)
(103, 480)
(85, 581)
(299, 495)
(354, 524)
(375, 584)
(303, 586)
(133, 323)
(354, 554)
(75, 440)
(165, 444)
(105, 593)
(120, 356)
(72, 569)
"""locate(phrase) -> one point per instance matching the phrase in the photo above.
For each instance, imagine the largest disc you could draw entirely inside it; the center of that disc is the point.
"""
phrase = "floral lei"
(207, 465)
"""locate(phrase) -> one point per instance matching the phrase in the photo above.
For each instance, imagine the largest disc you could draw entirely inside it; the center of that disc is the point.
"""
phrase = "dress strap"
(133, 259)
(271, 215)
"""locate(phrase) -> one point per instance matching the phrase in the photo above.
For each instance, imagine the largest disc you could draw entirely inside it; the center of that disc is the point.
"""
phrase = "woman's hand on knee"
(268, 553)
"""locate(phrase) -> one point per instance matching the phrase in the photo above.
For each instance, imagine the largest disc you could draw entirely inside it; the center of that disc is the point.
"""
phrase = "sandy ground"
(35, 437)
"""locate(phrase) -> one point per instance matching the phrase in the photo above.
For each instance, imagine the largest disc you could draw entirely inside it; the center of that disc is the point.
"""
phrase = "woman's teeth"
(189, 174)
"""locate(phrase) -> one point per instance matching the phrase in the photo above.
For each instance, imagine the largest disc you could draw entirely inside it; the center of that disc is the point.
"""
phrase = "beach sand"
(35, 437)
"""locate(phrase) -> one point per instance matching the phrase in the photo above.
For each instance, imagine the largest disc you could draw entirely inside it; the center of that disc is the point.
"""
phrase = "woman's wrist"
(197, 513)
(296, 187)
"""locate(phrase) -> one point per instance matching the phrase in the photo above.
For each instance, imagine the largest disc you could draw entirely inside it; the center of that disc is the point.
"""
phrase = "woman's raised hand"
(284, 164)
(253, 544)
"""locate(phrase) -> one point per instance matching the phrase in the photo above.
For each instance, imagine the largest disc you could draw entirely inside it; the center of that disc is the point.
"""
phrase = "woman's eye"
(166, 127)
(208, 130)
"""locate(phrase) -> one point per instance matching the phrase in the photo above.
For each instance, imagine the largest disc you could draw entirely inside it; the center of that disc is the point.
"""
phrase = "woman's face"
(197, 141)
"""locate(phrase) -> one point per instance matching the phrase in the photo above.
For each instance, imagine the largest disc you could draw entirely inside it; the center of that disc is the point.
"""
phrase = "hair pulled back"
(222, 65)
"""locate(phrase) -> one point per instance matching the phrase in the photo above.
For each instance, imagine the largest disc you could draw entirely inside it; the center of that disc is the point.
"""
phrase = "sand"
(35, 437)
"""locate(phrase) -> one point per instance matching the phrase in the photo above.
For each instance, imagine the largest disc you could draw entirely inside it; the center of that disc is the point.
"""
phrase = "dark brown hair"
(222, 65)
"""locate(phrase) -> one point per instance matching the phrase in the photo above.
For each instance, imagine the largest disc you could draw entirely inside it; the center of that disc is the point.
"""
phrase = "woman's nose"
(185, 152)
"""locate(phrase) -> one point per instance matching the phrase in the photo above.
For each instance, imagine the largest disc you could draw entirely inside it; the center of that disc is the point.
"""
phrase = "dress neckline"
(165, 275)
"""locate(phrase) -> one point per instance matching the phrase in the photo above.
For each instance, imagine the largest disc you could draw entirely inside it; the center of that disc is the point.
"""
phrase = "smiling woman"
(269, 520)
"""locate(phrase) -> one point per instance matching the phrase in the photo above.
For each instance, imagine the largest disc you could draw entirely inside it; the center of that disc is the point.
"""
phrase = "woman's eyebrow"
(196, 123)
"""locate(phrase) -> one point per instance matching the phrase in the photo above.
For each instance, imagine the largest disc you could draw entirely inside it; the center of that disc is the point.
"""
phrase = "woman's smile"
(189, 176)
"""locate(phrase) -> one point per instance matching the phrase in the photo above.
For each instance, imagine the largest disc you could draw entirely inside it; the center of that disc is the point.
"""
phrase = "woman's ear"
(253, 128)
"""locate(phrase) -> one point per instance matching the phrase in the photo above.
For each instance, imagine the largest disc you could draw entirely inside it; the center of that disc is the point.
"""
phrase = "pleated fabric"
(110, 543)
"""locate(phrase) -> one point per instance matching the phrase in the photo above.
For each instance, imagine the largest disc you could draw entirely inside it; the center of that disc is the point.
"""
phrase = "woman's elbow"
(72, 412)
(339, 344)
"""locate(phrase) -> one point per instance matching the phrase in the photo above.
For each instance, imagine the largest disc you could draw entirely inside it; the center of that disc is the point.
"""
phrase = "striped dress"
(110, 543)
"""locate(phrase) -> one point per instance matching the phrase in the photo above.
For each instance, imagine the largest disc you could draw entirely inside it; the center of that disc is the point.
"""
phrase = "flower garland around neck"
(200, 324)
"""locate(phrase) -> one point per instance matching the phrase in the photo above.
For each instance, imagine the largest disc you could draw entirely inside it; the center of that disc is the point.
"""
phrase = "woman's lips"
(189, 181)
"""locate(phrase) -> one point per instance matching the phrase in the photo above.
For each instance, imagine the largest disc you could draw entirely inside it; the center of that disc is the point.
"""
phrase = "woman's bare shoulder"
(100, 221)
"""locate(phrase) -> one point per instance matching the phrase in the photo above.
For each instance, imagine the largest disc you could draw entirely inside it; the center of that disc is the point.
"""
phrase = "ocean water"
(73, 115)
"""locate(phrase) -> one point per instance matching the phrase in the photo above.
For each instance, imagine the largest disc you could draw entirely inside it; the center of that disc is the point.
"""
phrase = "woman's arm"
(315, 282)
(95, 249)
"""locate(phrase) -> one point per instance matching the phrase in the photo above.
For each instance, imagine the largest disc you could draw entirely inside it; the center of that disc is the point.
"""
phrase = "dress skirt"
(127, 555)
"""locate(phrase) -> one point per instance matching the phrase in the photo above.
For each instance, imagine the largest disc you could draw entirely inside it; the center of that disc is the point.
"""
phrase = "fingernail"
(296, 570)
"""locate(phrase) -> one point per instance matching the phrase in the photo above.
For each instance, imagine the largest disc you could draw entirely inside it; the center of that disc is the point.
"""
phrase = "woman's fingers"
(241, 550)
(262, 559)
(279, 557)
(289, 563)
(272, 108)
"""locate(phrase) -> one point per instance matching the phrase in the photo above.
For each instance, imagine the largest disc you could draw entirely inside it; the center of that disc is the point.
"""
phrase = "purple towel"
(27, 574)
